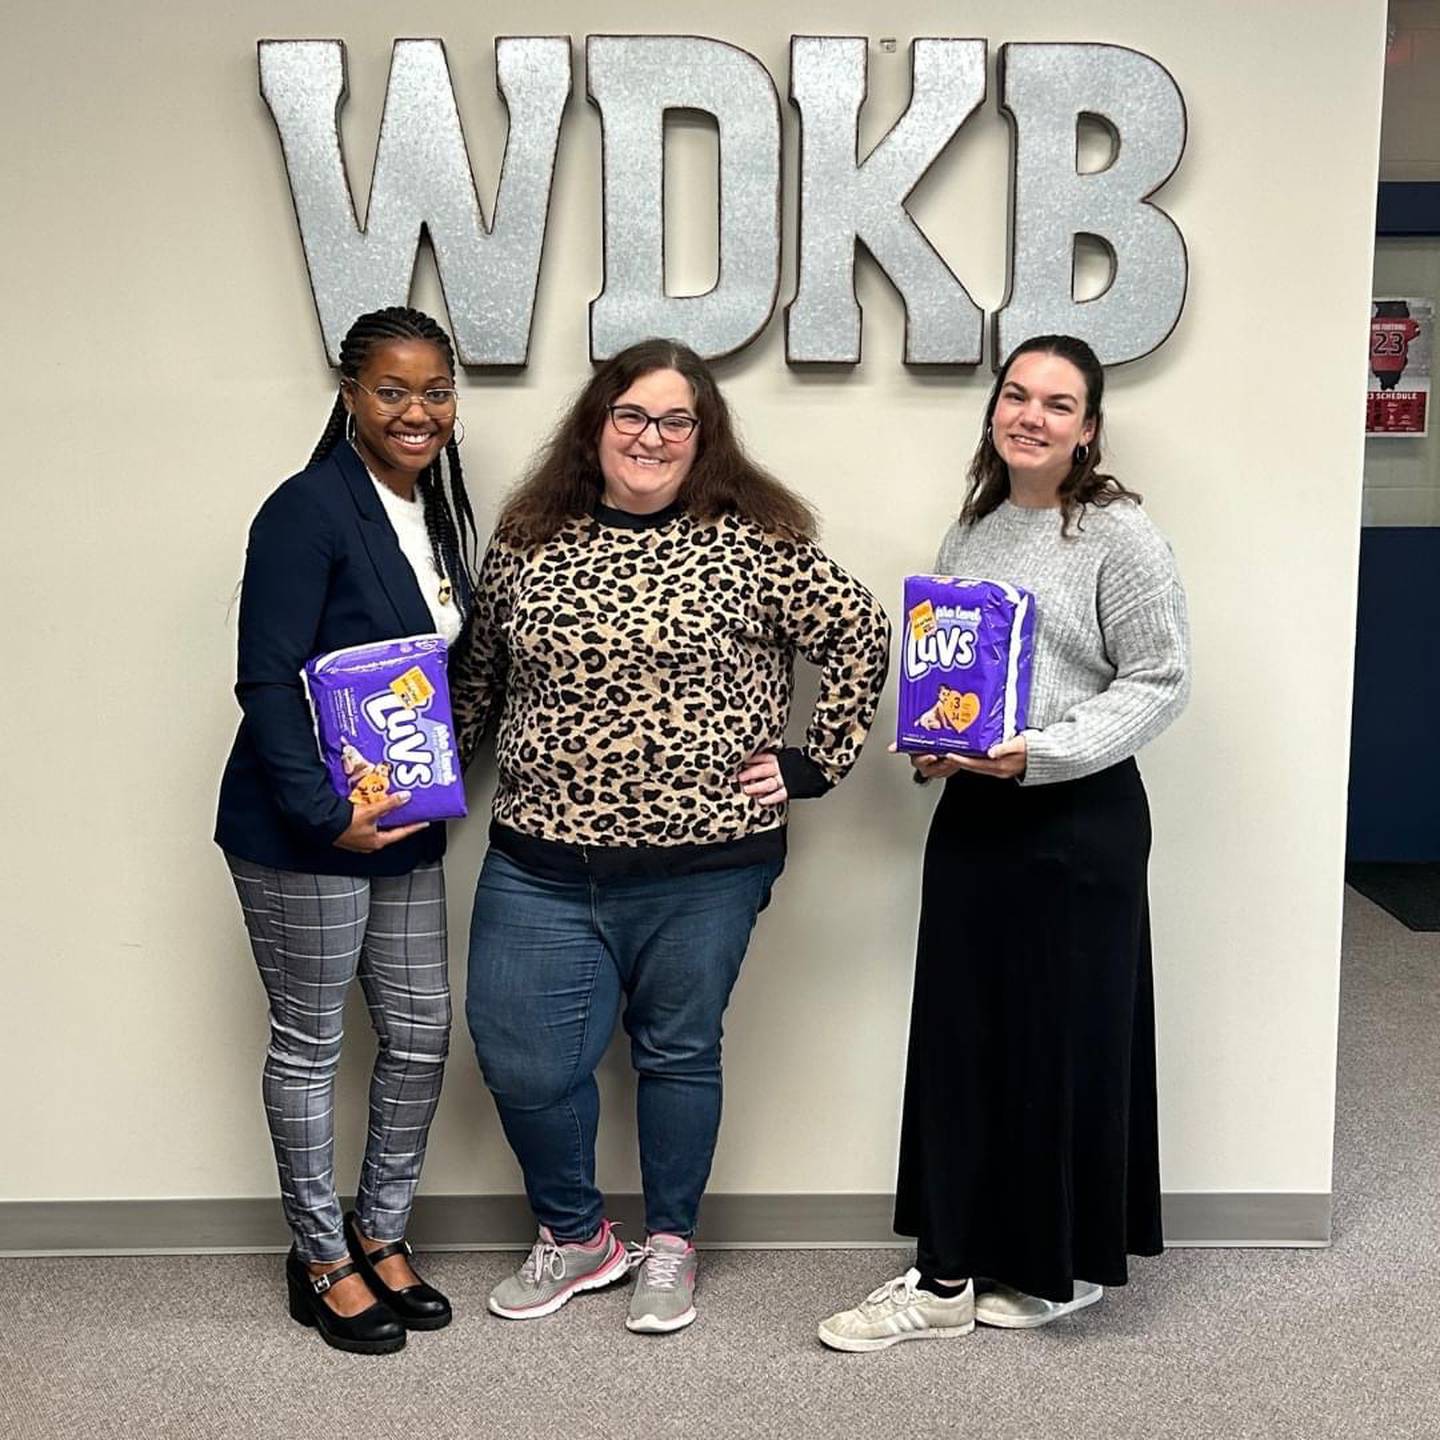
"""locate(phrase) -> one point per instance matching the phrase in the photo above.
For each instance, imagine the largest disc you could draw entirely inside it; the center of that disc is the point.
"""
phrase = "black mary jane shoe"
(417, 1307)
(375, 1331)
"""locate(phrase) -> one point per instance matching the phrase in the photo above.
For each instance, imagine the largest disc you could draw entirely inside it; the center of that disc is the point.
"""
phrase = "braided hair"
(449, 519)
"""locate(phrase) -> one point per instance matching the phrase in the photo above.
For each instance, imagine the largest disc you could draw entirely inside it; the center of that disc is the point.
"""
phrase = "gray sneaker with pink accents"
(552, 1273)
(664, 1298)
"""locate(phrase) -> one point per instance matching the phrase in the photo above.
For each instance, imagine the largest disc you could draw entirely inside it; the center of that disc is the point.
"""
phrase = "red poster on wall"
(1401, 341)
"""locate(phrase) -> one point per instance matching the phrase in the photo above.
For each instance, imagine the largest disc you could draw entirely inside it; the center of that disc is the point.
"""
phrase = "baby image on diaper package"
(383, 720)
(965, 675)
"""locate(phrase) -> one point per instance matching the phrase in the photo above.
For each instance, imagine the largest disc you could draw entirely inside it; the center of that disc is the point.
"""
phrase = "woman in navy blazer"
(363, 545)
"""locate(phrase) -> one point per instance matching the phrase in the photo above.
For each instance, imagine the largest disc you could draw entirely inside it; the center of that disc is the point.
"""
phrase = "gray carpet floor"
(1202, 1343)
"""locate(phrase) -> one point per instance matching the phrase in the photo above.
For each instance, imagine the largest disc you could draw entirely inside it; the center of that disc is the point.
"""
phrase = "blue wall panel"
(1395, 740)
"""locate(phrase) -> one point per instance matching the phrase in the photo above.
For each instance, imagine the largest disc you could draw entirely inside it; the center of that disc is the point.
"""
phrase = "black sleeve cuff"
(339, 823)
(804, 779)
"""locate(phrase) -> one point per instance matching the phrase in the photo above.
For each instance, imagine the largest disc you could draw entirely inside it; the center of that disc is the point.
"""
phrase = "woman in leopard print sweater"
(635, 627)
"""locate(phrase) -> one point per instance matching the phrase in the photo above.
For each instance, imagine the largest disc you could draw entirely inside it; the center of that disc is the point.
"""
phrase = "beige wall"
(171, 374)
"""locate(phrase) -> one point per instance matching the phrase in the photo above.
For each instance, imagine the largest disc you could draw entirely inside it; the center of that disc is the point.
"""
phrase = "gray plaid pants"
(312, 934)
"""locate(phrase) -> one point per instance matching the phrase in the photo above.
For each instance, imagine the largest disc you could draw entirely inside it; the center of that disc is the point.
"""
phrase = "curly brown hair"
(989, 477)
(565, 481)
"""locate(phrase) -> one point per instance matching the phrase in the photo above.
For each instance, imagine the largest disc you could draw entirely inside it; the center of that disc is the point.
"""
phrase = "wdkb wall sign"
(489, 271)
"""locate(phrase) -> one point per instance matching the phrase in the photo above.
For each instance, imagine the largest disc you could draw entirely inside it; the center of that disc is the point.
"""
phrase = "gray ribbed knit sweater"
(1112, 643)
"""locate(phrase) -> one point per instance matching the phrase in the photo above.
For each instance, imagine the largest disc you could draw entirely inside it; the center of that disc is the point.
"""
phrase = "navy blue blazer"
(323, 570)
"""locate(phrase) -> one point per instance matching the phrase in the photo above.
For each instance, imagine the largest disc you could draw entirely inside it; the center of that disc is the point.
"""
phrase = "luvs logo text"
(406, 747)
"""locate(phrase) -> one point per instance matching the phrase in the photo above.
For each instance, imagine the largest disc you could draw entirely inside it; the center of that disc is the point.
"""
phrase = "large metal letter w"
(422, 180)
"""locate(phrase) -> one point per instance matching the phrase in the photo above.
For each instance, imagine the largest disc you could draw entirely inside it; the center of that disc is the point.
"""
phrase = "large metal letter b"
(1046, 90)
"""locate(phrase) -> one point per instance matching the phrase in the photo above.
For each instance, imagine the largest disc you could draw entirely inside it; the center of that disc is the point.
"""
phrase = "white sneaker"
(1014, 1310)
(898, 1311)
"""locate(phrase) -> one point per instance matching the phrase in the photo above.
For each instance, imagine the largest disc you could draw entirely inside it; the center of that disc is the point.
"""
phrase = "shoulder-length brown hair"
(565, 481)
(989, 478)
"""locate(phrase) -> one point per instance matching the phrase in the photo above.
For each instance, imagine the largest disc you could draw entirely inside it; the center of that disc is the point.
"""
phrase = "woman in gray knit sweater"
(1029, 1161)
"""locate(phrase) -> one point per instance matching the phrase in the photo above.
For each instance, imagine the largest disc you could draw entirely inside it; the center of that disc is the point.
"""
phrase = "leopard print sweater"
(638, 661)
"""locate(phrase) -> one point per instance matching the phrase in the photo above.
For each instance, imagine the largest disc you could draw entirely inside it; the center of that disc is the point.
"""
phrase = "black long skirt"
(1028, 1148)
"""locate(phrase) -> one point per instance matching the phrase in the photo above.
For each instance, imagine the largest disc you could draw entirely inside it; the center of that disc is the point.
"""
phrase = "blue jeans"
(549, 963)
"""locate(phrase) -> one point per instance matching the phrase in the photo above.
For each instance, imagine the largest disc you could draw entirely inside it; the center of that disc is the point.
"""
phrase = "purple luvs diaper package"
(382, 717)
(965, 678)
